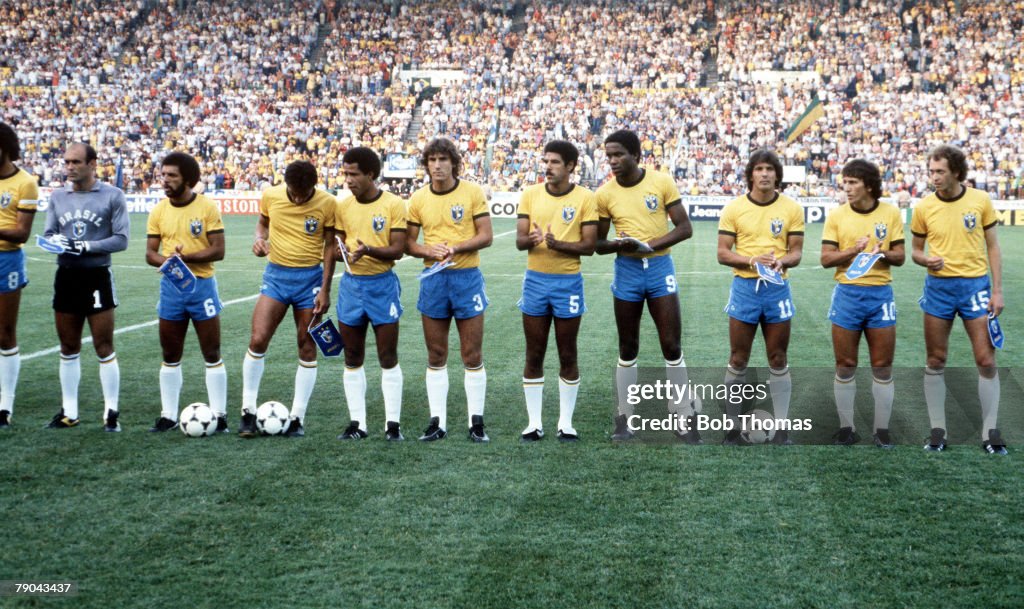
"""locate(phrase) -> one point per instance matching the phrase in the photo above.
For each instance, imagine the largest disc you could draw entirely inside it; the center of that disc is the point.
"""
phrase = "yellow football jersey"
(297, 231)
(566, 214)
(372, 223)
(189, 225)
(449, 217)
(955, 229)
(18, 192)
(760, 228)
(640, 210)
(882, 224)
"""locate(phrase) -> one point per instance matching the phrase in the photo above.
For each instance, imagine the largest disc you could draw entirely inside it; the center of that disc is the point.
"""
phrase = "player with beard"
(188, 225)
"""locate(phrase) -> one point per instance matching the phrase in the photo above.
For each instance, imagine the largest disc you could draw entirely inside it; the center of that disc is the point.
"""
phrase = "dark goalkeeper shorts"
(84, 292)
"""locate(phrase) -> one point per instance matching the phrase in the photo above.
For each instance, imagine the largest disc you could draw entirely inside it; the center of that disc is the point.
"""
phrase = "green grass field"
(146, 520)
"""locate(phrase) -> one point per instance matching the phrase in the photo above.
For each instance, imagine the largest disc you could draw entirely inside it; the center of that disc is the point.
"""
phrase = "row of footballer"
(305, 233)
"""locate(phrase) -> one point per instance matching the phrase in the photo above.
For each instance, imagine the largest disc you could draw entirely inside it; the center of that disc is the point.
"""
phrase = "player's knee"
(629, 348)
(936, 361)
(985, 362)
(777, 360)
(307, 353)
(845, 363)
(671, 350)
(103, 348)
(353, 358)
(259, 342)
(211, 356)
(882, 374)
(388, 359)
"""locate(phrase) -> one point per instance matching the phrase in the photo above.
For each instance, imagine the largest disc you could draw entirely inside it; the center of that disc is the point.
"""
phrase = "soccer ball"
(272, 418)
(197, 420)
(760, 435)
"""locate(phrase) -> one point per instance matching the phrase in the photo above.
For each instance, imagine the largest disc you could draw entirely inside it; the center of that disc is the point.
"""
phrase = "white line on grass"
(88, 339)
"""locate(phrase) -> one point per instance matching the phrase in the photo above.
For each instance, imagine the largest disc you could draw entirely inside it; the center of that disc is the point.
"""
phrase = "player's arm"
(394, 250)
(525, 238)
(261, 242)
(210, 253)
(605, 245)
(483, 238)
(832, 256)
(918, 255)
(153, 255)
(322, 303)
(727, 256)
(120, 228)
(584, 247)
(794, 252)
(896, 255)
(995, 265)
(22, 228)
(438, 251)
(682, 230)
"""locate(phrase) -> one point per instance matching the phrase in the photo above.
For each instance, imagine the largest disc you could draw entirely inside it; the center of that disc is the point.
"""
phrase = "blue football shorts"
(374, 298)
(637, 279)
(296, 286)
(458, 293)
(552, 294)
(200, 305)
(752, 304)
(856, 307)
(945, 297)
(13, 274)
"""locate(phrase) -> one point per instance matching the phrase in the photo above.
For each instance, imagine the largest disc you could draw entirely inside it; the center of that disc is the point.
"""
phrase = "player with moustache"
(557, 224)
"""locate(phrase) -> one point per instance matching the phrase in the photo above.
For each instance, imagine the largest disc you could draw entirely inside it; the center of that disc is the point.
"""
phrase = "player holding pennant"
(187, 224)
(295, 228)
(854, 234)
(958, 226)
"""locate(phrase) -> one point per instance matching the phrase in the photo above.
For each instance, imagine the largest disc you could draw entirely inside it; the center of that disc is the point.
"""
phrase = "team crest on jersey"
(568, 213)
(78, 229)
(651, 201)
(881, 230)
(458, 212)
(5, 200)
(378, 223)
(970, 221)
(195, 226)
(311, 225)
(776, 227)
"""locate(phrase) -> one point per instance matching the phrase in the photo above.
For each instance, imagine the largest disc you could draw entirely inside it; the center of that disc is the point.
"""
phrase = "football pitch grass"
(160, 520)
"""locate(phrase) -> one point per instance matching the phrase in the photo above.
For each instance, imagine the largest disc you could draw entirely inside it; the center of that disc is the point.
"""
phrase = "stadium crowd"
(249, 86)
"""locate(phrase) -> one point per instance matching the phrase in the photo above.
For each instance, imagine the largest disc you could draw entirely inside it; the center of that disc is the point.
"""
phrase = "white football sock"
(733, 404)
(567, 391)
(170, 390)
(354, 381)
(625, 376)
(677, 374)
(10, 364)
(391, 387)
(845, 391)
(437, 394)
(70, 375)
(475, 383)
(110, 382)
(988, 395)
(781, 387)
(533, 390)
(935, 397)
(883, 392)
(305, 381)
(217, 387)
(252, 373)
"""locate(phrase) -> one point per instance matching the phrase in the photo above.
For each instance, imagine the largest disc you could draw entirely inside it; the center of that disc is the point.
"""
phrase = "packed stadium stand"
(248, 85)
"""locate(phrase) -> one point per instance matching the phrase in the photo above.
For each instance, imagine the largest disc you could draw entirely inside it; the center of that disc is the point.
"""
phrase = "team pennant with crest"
(861, 265)
(768, 274)
(52, 247)
(435, 268)
(327, 338)
(182, 277)
(995, 333)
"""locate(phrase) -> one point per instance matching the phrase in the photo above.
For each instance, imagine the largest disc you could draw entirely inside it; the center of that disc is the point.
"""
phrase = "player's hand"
(178, 252)
(627, 246)
(261, 247)
(321, 304)
(861, 244)
(80, 246)
(361, 250)
(995, 304)
(549, 239)
(935, 263)
(536, 236)
(61, 240)
(877, 249)
(441, 252)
